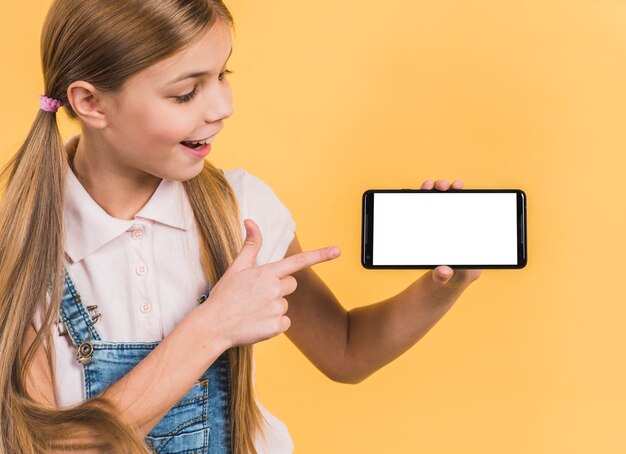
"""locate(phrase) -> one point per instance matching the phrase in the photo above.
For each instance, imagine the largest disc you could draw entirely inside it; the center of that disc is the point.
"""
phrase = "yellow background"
(336, 97)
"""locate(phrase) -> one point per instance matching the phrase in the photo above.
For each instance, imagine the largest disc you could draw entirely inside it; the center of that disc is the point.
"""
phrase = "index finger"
(302, 260)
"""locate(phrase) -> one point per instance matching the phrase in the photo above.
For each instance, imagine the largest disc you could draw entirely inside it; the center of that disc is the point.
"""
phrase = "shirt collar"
(88, 227)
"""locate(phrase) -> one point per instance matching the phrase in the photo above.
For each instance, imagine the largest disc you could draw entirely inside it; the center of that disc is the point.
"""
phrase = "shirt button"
(145, 307)
(136, 234)
(141, 270)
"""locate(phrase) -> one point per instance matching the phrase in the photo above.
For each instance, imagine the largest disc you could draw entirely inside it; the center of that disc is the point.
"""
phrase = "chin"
(188, 174)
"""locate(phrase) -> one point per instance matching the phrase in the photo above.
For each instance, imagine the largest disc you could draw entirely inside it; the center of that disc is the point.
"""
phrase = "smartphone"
(460, 228)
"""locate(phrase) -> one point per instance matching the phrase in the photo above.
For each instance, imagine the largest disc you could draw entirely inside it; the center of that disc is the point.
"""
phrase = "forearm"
(162, 378)
(379, 333)
(159, 381)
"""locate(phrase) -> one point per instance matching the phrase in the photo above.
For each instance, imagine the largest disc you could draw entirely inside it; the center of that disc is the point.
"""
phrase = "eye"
(224, 73)
(188, 97)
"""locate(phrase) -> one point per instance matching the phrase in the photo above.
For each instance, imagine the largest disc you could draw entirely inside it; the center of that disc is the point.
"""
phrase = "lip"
(211, 137)
(199, 140)
(201, 152)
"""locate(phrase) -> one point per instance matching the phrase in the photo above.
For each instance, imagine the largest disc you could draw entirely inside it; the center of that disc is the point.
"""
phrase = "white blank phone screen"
(445, 229)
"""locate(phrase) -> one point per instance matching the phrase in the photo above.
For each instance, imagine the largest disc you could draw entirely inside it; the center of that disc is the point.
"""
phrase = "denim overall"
(199, 423)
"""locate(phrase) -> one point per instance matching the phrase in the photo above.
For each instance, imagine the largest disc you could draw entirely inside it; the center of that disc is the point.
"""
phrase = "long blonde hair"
(103, 42)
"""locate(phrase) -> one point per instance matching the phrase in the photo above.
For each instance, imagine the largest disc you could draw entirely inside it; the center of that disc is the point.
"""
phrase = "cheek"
(165, 124)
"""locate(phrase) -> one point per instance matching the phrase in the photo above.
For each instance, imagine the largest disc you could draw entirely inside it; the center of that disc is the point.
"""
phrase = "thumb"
(251, 246)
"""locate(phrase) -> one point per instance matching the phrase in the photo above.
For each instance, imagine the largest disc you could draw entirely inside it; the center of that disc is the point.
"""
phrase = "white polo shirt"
(145, 274)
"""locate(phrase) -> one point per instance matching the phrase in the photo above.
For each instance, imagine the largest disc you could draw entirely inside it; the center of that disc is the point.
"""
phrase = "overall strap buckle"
(94, 315)
(85, 350)
(61, 329)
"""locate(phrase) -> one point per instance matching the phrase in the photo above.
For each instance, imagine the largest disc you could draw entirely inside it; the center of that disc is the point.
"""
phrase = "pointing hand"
(250, 299)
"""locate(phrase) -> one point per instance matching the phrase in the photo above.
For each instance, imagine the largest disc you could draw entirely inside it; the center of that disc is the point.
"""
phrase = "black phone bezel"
(367, 230)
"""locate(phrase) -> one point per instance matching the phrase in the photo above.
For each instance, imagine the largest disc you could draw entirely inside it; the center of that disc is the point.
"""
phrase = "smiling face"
(161, 106)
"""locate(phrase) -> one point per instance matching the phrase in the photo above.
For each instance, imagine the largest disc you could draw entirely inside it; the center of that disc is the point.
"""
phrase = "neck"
(120, 192)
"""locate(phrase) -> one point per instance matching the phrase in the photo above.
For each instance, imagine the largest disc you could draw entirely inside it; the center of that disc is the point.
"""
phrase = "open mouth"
(192, 145)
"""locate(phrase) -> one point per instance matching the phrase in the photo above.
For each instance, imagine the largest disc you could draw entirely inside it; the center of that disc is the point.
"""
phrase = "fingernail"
(334, 252)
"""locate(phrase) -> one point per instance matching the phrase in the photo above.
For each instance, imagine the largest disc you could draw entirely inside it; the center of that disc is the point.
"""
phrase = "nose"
(219, 104)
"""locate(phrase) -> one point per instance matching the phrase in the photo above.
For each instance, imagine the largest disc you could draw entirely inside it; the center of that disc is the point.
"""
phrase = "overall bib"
(198, 423)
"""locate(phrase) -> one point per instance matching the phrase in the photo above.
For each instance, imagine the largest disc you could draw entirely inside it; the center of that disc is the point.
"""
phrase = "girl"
(126, 274)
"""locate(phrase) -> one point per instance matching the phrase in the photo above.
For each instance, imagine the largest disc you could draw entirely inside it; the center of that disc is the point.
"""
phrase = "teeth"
(200, 142)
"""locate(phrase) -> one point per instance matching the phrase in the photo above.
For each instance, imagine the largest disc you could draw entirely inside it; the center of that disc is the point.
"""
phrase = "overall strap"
(77, 320)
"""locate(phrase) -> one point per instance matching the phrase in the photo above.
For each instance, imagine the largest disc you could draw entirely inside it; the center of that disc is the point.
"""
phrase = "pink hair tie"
(49, 104)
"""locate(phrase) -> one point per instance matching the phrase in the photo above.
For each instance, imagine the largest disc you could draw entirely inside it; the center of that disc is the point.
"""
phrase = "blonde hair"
(103, 42)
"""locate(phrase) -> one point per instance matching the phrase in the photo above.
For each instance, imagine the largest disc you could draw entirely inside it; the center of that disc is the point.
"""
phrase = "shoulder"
(243, 181)
(253, 193)
(258, 201)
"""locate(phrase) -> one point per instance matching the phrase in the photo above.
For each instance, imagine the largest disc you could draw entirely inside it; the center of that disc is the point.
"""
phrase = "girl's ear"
(90, 105)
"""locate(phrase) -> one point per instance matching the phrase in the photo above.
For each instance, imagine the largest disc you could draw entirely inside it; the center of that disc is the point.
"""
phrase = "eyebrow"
(196, 74)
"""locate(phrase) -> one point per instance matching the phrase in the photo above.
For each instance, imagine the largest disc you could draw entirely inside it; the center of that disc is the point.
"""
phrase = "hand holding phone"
(421, 229)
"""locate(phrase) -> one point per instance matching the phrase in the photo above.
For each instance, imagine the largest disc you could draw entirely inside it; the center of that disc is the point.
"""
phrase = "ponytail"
(31, 256)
